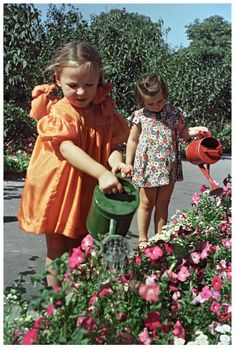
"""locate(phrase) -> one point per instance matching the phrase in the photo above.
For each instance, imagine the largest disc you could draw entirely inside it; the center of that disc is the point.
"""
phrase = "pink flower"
(137, 260)
(153, 252)
(195, 257)
(50, 309)
(149, 291)
(88, 244)
(93, 299)
(30, 337)
(215, 306)
(38, 322)
(204, 295)
(56, 288)
(144, 337)
(86, 323)
(227, 243)
(153, 320)
(195, 198)
(206, 292)
(205, 251)
(168, 248)
(179, 330)
(106, 290)
(217, 283)
(76, 258)
(121, 316)
(183, 274)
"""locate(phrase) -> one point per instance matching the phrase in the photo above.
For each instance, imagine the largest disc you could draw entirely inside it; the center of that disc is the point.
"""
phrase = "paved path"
(24, 253)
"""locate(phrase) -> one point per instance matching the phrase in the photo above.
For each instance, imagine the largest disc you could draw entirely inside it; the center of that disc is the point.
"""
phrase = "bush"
(19, 128)
(175, 291)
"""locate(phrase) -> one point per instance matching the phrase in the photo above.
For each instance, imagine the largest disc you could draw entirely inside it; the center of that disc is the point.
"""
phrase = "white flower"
(225, 340)
(223, 328)
(179, 341)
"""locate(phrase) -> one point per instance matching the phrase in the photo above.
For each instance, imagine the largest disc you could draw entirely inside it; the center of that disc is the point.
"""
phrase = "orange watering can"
(205, 150)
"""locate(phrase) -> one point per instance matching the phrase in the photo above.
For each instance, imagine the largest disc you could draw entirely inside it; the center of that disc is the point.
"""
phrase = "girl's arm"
(132, 143)
(187, 133)
(82, 161)
(190, 132)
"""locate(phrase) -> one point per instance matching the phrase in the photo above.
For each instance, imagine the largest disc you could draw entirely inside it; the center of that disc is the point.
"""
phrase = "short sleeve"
(181, 122)
(120, 130)
(135, 118)
(56, 128)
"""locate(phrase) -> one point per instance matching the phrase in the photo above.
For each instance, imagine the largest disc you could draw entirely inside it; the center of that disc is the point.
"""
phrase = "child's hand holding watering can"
(109, 183)
(199, 131)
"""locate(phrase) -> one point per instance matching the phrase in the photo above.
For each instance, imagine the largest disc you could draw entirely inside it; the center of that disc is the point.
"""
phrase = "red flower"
(217, 283)
(153, 320)
(86, 323)
(179, 330)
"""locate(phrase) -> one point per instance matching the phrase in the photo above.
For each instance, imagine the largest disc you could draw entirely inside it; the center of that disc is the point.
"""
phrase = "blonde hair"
(149, 85)
(75, 54)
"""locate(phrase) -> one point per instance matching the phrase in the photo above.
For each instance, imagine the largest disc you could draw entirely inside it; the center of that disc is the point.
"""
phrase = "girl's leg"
(147, 203)
(57, 245)
(161, 207)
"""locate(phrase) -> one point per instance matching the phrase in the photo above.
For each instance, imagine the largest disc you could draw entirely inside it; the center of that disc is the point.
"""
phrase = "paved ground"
(24, 253)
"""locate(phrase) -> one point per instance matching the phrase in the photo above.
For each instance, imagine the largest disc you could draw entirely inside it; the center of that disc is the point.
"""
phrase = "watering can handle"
(204, 134)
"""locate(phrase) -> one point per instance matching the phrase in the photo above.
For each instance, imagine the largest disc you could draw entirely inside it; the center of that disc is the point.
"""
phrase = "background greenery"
(198, 77)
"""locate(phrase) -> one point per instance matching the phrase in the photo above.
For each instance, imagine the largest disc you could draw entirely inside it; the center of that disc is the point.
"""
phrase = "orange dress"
(57, 196)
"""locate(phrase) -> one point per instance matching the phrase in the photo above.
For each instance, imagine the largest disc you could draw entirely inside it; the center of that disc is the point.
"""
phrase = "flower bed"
(176, 291)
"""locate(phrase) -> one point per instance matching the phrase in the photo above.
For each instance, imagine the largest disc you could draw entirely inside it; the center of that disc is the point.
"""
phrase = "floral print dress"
(158, 159)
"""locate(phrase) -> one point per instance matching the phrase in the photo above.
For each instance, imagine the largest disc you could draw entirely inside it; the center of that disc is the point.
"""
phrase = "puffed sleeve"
(42, 100)
(56, 128)
(120, 130)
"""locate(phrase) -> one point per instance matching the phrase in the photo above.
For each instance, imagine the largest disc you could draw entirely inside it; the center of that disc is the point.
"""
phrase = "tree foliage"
(201, 73)
(198, 76)
(130, 45)
(22, 45)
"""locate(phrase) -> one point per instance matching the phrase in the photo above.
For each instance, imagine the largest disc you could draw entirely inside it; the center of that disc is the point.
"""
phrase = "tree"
(130, 45)
(63, 24)
(201, 73)
(22, 45)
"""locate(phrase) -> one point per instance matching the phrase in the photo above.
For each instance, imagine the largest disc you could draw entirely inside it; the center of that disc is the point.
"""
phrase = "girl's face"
(154, 103)
(78, 84)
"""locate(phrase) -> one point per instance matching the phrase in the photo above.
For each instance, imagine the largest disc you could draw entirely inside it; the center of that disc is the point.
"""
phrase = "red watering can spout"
(215, 189)
(205, 150)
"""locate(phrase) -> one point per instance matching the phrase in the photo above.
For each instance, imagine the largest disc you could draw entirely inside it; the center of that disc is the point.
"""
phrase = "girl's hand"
(195, 131)
(108, 183)
(127, 171)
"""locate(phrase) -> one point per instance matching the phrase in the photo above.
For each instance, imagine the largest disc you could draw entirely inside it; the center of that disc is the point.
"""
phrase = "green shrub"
(19, 129)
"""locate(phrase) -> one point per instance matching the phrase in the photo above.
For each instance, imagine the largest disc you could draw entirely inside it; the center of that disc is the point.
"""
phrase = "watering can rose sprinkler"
(109, 219)
(205, 150)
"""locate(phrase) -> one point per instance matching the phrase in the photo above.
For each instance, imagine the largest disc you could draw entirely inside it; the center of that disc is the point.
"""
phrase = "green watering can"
(111, 214)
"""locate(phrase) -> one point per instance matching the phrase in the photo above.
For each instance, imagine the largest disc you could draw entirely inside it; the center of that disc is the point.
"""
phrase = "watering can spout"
(205, 151)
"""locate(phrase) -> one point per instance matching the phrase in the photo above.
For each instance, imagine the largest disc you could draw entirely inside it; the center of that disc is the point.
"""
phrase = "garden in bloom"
(175, 291)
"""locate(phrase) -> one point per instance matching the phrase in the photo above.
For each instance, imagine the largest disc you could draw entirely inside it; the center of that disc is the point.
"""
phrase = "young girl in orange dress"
(76, 149)
(153, 152)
